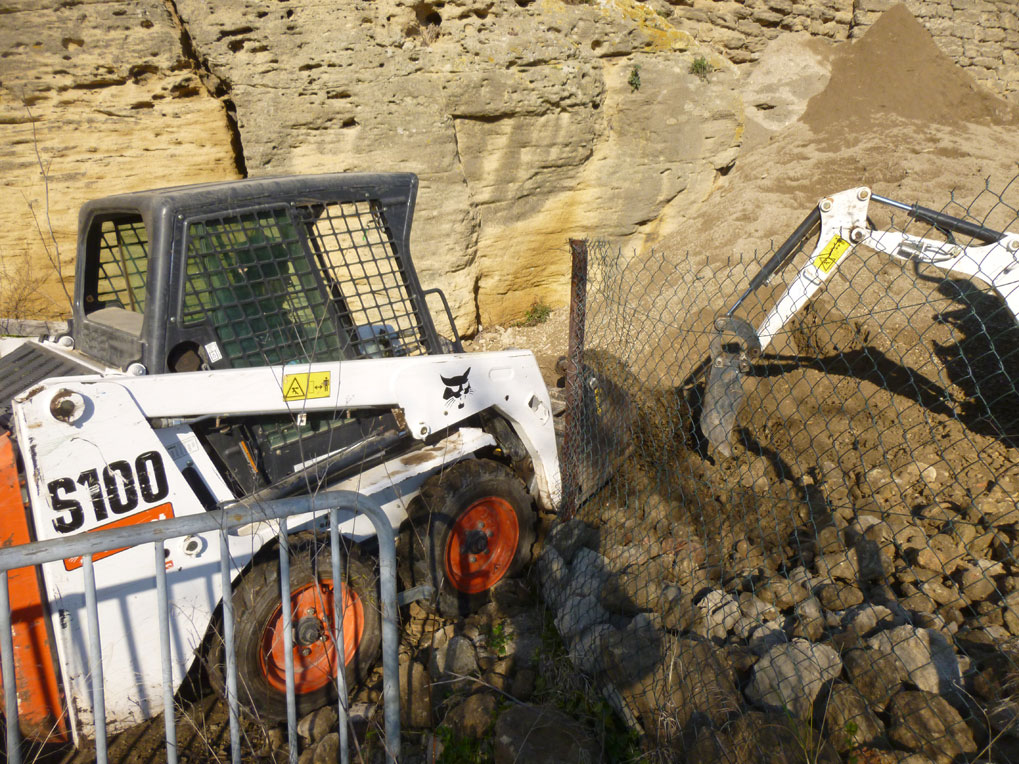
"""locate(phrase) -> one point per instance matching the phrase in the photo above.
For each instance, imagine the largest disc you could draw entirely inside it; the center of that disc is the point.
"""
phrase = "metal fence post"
(574, 392)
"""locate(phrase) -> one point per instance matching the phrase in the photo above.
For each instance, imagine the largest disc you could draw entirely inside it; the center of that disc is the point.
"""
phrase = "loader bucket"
(733, 348)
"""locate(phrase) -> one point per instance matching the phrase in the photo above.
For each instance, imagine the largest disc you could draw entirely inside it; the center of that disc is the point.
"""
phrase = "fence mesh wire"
(845, 586)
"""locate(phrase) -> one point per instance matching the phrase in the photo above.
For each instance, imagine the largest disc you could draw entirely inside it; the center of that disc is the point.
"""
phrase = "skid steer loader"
(840, 224)
(254, 339)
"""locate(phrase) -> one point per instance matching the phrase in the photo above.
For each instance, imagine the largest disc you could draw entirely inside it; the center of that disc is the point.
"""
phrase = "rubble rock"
(789, 676)
(415, 697)
(782, 592)
(808, 620)
(577, 614)
(848, 720)
(925, 722)
(570, 536)
(928, 659)
(472, 716)
(451, 658)
(541, 735)
(717, 613)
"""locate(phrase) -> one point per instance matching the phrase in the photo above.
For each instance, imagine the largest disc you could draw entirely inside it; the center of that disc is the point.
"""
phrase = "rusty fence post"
(572, 438)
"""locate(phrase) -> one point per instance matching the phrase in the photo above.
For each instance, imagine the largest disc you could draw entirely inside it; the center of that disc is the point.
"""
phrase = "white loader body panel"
(94, 459)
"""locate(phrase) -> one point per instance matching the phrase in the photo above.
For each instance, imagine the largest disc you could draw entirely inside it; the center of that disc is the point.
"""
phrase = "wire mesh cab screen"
(116, 269)
(122, 265)
(313, 282)
(300, 283)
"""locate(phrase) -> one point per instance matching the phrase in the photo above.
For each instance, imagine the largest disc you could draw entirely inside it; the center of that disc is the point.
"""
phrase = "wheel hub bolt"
(477, 542)
(309, 630)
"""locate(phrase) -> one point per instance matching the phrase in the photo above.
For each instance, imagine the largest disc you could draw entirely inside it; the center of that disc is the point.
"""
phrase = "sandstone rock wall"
(96, 98)
(528, 121)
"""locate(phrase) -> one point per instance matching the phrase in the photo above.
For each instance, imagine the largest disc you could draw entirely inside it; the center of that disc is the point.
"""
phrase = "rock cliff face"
(96, 98)
(528, 121)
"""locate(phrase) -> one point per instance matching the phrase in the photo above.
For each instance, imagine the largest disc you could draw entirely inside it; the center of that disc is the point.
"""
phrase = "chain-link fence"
(844, 586)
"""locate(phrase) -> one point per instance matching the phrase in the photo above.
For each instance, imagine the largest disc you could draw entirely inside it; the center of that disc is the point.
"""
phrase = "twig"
(54, 257)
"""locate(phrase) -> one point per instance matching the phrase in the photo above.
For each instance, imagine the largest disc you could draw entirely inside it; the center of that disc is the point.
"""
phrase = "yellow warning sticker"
(302, 387)
(831, 254)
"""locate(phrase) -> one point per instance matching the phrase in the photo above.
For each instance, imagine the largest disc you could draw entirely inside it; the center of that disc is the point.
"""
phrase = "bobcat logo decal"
(457, 389)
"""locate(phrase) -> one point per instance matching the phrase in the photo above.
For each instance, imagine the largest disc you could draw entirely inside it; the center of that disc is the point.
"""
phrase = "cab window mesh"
(368, 282)
(122, 265)
(249, 277)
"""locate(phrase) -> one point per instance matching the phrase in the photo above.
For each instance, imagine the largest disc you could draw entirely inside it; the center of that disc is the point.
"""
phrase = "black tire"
(436, 545)
(261, 683)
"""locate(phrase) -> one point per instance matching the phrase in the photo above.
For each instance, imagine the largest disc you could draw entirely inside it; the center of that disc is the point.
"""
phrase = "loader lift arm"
(843, 225)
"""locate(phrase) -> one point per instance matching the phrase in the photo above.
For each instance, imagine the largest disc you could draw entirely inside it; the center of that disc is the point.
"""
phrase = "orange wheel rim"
(482, 545)
(314, 640)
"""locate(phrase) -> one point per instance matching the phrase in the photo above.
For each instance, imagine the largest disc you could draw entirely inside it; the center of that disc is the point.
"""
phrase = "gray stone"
(542, 735)
(320, 722)
(570, 536)
(585, 649)
(452, 658)
(789, 676)
(926, 722)
(928, 659)
(553, 573)
(588, 574)
(577, 614)
(717, 613)
(808, 620)
(848, 719)
(415, 697)
(632, 651)
(472, 716)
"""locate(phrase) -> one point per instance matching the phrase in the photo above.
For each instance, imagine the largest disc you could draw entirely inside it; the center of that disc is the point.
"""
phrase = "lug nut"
(863, 195)
(826, 205)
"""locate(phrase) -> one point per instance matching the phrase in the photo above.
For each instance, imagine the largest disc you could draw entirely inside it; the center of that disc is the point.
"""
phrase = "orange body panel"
(40, 708)
(162, 512)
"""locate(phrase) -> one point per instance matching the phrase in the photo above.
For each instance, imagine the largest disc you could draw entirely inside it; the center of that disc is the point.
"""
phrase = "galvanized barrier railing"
(157, 533)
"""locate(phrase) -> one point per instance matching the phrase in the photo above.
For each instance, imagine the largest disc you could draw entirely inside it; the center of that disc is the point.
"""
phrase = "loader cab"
(253, 273)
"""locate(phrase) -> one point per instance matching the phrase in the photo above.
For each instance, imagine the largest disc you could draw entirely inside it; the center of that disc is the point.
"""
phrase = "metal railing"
(157, 533)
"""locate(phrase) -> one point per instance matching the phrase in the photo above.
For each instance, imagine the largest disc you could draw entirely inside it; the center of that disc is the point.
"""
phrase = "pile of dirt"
(896, 71)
